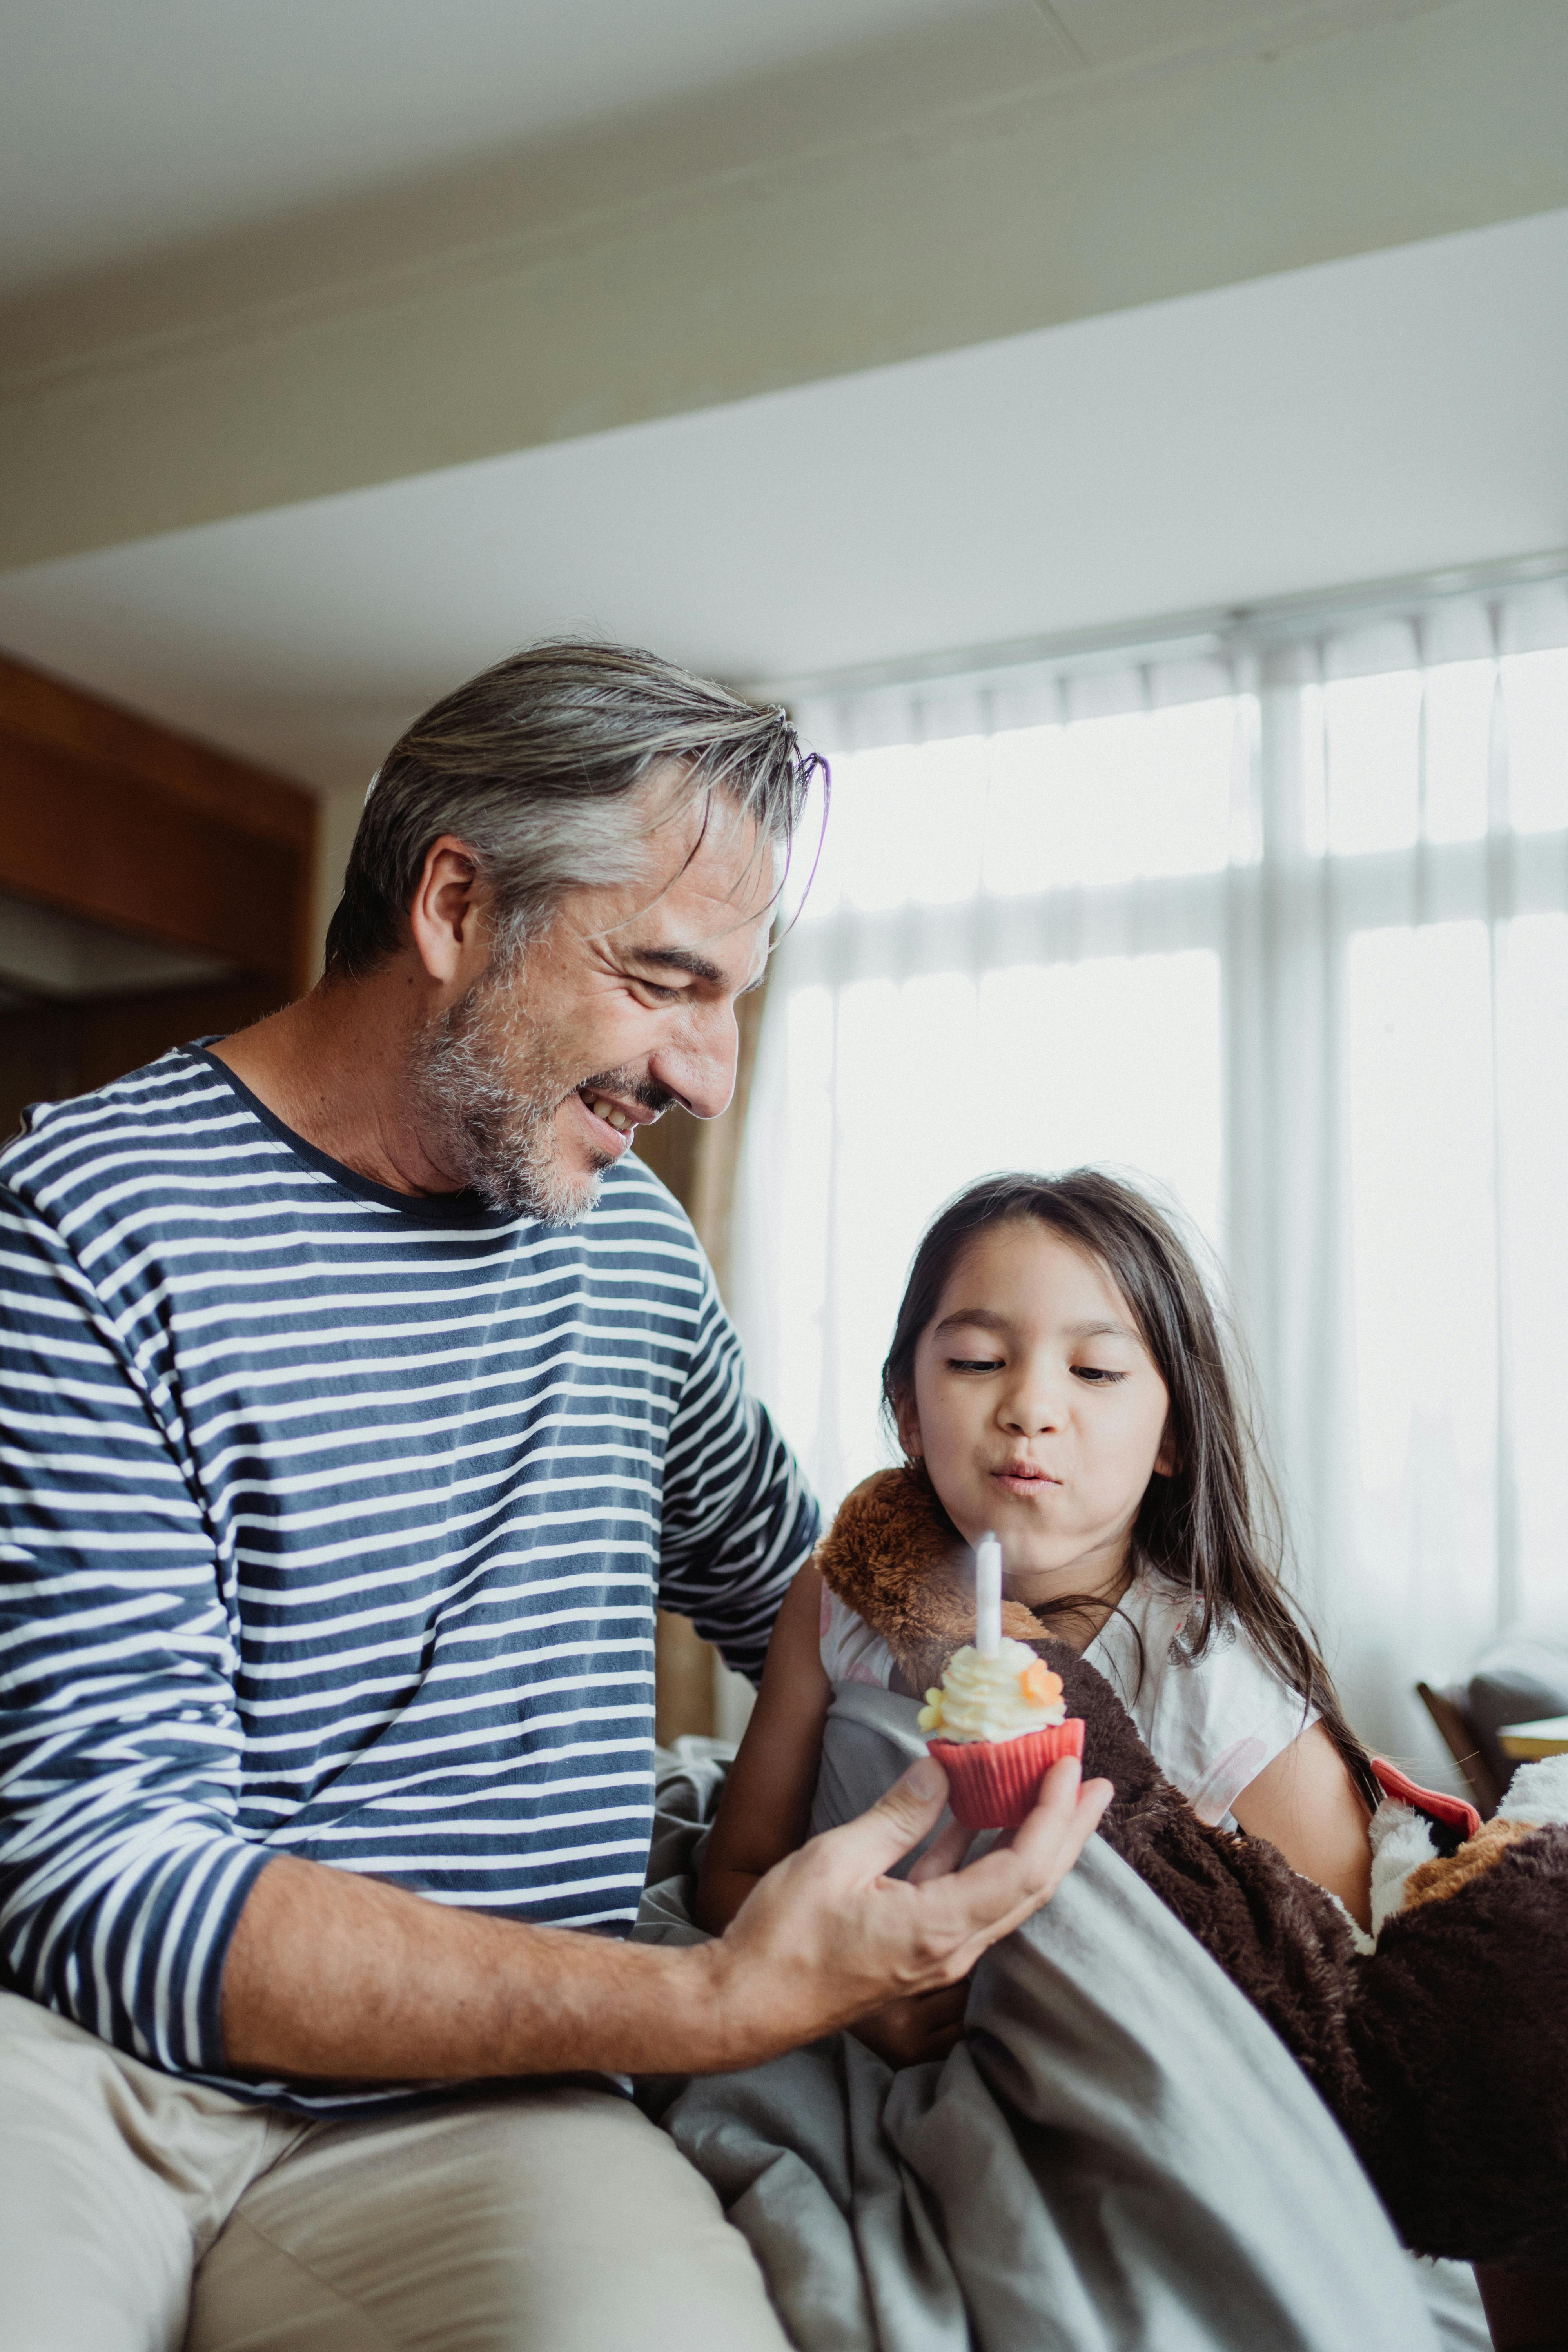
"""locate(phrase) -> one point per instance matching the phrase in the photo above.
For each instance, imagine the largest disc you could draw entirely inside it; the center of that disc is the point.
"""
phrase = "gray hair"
(533, 765)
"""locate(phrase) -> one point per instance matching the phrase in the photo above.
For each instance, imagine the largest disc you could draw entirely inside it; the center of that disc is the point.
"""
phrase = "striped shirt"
(332, 1523)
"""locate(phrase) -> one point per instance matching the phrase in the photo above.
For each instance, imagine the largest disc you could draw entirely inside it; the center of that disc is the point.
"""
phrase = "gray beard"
(468, 1095)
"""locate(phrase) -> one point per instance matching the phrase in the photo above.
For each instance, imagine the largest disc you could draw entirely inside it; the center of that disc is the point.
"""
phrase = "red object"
(1452, 1811)
(991, 1784)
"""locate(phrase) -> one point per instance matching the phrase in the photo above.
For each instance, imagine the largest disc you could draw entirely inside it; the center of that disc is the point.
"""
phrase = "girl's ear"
(909, 1427)
(1167, 1461)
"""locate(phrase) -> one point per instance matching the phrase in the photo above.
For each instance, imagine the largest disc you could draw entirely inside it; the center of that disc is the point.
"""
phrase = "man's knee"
(555, 2218)
(94, 2247)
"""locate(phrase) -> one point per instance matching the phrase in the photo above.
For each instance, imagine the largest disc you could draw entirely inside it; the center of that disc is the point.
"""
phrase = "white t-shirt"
(1210, 1724)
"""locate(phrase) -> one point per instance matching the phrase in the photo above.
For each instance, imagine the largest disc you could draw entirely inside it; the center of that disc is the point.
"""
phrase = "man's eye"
(656, 989)
(974, 1363)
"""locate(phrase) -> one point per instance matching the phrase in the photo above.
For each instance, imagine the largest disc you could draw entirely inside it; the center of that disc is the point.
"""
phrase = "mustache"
(645, 1092)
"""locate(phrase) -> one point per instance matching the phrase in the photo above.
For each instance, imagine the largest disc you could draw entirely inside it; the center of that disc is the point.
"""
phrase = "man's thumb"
(904, 1813)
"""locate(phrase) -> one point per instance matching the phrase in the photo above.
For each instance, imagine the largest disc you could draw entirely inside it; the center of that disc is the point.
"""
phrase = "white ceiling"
(1354, 421)
(128, 127)
(131, 125)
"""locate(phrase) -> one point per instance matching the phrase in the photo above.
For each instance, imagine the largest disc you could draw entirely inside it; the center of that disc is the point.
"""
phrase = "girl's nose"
(1031, 1408)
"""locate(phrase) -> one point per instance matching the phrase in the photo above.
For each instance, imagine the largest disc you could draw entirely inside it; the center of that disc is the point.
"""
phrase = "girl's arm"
(766, 1805)
(766, 1809)
(1307, 1804)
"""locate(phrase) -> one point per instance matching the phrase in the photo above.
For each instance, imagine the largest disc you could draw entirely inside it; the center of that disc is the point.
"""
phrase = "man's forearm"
(334, 1975)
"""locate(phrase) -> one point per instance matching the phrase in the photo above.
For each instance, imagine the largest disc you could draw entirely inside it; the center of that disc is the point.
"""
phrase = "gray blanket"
(1120, 2153)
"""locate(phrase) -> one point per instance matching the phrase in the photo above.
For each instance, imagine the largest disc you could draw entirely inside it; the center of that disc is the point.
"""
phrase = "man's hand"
(333, 1975)
(827, 1937)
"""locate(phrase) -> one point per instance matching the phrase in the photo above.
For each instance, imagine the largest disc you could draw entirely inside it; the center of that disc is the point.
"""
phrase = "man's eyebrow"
(678, 960)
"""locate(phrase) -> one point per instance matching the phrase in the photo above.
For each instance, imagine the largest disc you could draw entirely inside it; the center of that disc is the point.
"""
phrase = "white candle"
(988, 1598)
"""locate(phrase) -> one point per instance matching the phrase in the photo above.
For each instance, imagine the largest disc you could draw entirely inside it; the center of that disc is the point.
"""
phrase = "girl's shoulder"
(1211, 1722)
(851, 1651)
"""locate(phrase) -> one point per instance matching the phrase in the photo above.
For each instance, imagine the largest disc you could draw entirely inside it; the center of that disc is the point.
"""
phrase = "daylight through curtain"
(1279, 925)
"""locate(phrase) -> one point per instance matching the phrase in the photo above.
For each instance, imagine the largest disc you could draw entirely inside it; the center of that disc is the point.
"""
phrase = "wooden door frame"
(114, 819)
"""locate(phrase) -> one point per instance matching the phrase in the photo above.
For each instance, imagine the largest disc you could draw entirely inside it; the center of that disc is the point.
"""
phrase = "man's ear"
(445, 923)
(908, 1423)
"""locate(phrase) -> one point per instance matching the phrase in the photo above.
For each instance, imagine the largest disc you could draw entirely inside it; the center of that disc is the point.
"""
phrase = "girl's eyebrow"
(983, 1318)
(980, 1316)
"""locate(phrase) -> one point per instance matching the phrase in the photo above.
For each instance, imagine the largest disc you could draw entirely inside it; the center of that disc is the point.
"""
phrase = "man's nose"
(700, 1066)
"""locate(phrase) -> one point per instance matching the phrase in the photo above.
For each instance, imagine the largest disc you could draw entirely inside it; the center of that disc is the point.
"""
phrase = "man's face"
(534, 1081)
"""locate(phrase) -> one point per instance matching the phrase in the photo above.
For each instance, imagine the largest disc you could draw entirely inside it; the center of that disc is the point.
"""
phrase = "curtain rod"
(1174, 636)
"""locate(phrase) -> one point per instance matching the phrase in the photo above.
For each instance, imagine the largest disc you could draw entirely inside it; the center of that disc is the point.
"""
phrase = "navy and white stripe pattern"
(332, 1523)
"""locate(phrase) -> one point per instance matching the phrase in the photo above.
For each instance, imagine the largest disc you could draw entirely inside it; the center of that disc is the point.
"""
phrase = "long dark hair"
(1212, 1530)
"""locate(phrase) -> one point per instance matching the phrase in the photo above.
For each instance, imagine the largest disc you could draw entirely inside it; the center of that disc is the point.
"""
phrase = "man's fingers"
(1042, 1854)
(1045, 1847)
(943, 1855)
(899, 1819)
(1065, 1818)
(1001, 1890)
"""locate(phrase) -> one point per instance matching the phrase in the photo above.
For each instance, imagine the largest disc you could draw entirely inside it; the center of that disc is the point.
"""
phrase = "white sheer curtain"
(1278, 925)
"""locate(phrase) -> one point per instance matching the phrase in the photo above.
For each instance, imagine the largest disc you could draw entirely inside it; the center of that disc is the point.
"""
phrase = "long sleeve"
(738, 1517)
(121, 1869)
(326, 1520)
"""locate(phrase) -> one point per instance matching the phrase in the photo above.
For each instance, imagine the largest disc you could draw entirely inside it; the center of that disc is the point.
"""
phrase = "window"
(1281, 931)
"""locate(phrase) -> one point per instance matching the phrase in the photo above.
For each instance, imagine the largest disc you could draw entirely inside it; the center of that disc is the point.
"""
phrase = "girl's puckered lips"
(1024, 1478)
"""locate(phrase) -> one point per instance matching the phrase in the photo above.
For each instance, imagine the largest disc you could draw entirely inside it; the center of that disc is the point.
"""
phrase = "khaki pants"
(139, 2213)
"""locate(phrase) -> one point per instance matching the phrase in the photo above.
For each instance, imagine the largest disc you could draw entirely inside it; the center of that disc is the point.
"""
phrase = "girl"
(1057, 1374)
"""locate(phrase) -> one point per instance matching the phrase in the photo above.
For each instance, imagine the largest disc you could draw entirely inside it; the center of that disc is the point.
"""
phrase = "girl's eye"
(974, 1363)
(1097, 1375)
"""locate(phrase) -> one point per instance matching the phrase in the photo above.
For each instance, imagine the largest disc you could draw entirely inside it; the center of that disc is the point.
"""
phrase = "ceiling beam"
(941, 192)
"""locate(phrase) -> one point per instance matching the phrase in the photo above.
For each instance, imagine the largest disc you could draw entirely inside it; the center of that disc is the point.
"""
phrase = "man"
(362, 1396)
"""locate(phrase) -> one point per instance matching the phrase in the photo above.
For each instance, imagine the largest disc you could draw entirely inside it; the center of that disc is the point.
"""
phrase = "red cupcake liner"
(991, 1784)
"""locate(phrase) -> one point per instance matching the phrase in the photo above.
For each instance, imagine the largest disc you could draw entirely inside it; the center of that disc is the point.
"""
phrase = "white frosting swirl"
(993, 1698)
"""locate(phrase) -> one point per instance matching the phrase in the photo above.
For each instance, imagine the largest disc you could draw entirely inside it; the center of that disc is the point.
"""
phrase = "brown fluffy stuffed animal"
(1442, 2050)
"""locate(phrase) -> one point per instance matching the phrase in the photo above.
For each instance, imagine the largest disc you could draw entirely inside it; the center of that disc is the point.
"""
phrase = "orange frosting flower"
(1039, 1686)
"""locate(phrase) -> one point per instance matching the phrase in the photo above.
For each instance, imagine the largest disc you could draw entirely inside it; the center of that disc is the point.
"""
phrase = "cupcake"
(997, 1726)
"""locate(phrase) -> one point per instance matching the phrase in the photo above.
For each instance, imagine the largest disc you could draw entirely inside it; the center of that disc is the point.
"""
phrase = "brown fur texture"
(1444, 2054)
(888, 1556)
(1433, 1881)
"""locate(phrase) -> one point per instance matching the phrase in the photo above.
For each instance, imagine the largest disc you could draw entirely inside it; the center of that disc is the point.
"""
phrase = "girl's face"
(1038, 1410)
